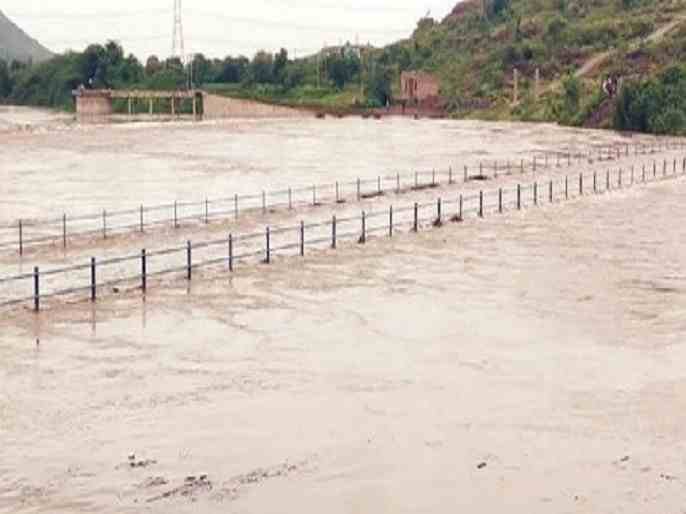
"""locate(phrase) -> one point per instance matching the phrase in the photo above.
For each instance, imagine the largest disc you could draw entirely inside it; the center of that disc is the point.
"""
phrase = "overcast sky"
(217, 28)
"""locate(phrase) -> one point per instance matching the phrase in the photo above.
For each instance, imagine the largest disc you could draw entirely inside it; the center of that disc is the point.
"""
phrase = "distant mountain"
(15, 44)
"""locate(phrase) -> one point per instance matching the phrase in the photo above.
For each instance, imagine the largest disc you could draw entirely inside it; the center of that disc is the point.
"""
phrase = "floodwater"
(531, 362)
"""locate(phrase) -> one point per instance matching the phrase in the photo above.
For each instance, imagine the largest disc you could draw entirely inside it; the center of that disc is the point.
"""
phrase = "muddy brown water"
(529, 363)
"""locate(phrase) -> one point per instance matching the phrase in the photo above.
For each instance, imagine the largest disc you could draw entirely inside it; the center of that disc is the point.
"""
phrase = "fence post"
(654, 169)
(314, 195)
(416, 217)
(36, 289)
(595, 182)
(338, 196)
(290, 199)
(176, 215)
(535, 193)
(450, 176)
(235, 206)
(333, 232)
(500, 200)
(481, 169)
(390, 221)
(302, 239)
(93, 280)
(620, 178)
(519, 197)
(378, 188)
(144, 271)
(551, 192)
(632, 174)
(607, 187)
(142, 222)
(264, 202)
(189, 260)
(581, 184)
(439, 211)
(359, 193)
(207, 211)
(466, 174)
(566, 187)
(461, 212)
(397, 183)
(558, 160)
(268, 246)
(664, 167)
(481, 204)
(64, 230)
(521, 164)
(674, 167)
(569, 159)
(21, 238)
(363, 238)
(231, 252)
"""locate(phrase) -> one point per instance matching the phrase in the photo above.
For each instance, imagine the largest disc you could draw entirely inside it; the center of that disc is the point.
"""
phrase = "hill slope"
(574, 43)
(15, 44)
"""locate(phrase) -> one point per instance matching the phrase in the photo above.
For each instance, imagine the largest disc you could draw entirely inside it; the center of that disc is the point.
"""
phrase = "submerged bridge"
(99, 103)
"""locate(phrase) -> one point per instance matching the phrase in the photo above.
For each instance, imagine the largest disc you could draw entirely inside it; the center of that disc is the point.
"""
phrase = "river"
(531, 362)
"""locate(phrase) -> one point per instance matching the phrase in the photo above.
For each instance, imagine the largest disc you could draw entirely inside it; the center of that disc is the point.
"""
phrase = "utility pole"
(178, 44)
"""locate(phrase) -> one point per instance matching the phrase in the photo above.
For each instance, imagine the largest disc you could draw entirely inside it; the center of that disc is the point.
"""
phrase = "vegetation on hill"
(16, 45)
(575, 45)
(475, 50)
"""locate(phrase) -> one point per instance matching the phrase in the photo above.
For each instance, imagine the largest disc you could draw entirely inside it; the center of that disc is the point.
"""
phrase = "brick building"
(418, 87)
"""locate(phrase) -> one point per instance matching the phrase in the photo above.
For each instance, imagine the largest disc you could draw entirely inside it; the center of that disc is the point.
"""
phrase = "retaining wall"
(218, 107)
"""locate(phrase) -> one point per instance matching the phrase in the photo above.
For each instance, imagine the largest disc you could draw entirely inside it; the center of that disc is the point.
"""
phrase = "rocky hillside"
(15, 44)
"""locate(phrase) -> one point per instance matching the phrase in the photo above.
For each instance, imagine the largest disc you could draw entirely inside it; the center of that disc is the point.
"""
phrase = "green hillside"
(574, 43)
(15, 44)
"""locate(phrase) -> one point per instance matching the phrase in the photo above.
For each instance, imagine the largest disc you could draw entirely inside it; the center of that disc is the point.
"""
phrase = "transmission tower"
(178, 47)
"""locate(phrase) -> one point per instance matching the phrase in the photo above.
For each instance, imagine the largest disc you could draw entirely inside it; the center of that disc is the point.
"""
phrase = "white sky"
(218, 28)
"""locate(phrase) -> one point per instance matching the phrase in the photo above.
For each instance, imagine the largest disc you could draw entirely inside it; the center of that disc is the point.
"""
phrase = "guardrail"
(59, 230)
(93, 276)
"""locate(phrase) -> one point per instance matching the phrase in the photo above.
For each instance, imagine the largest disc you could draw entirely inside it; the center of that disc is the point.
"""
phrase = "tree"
(5, 80)
(341, 69)
(152, 65)
(279, 67)
(379, 86)
(262, 68)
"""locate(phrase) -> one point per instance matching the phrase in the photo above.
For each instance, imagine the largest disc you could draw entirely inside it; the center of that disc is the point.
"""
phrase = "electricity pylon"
(178, 47)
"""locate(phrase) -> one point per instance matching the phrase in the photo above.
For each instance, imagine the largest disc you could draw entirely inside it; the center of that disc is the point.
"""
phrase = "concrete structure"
(98, 102)
(418, 87)
(218, 107)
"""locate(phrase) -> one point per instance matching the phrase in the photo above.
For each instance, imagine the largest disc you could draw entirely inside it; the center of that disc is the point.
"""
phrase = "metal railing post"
(36, 289)
(231, 252)
(390, 221)
(302, 239)
(144, 271)
(268, 256)
(363, 237)
(189, 260)
(93, 280)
